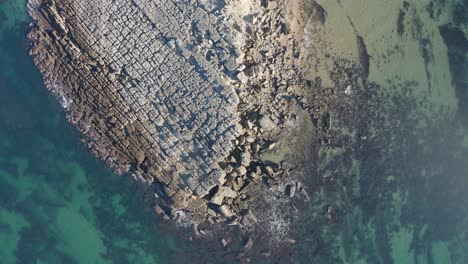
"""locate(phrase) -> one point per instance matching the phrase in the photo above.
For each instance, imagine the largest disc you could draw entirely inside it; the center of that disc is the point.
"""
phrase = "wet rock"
(224, 242)
(159, 211)
(250, 215)
(233, 222)
(249, 243)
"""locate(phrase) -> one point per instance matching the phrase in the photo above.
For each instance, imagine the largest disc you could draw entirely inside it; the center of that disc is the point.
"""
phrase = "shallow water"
(57, 204)
(401, 197)
(397, 176)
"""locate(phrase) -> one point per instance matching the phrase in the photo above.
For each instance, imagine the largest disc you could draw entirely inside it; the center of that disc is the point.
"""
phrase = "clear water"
(57, 204)
(406, 198)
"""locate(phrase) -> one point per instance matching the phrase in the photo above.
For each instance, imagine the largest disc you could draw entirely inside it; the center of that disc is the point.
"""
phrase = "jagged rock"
(245, 159)
(228, 169)
(250, 139)
(235, 186)
(231, 65)
(240, 182)
(222, 193)
(254, 175)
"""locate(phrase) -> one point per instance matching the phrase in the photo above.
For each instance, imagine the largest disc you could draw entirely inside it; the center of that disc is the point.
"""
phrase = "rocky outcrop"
(185, 95)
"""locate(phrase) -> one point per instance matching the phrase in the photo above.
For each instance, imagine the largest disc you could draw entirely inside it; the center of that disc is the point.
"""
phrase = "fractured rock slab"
(135, 78)
(185, 95)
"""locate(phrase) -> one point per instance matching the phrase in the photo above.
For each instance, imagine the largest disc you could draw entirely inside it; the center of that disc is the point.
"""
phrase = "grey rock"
(225, 211)
(242, 77)
(290, 190)
(222, 193)
(266, 123)
(245, 158)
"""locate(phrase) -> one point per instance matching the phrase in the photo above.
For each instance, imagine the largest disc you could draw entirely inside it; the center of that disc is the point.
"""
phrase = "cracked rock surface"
(185, 95)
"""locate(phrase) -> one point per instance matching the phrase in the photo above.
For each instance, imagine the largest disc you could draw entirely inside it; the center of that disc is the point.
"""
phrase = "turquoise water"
(403, 198)
(57, 204)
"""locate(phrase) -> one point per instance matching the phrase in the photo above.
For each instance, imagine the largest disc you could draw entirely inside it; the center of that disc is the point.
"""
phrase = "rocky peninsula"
(216, 106)
(268, 127)
(186, 95)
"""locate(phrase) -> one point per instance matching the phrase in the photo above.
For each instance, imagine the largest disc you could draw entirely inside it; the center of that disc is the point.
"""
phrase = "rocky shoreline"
(248, 122)
(187, 97)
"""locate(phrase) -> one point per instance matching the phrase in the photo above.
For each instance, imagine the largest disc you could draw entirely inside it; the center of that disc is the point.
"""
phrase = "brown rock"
(180, 199)
(140, 157)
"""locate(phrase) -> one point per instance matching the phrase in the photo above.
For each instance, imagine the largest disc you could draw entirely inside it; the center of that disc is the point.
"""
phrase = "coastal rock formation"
(185, 95)
(129, 77)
